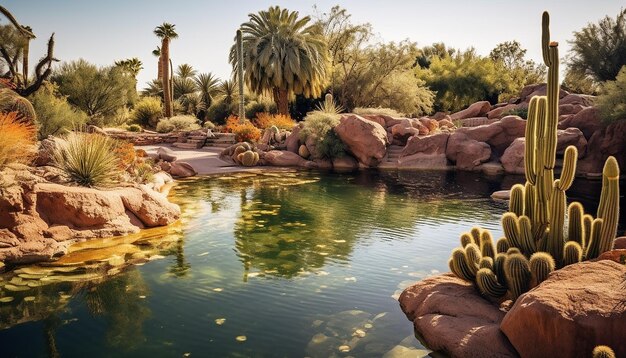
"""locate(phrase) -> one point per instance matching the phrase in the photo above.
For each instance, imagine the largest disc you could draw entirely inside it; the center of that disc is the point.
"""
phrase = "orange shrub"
(244, 132)
(125, 152)
(17, 139)
(265, 120)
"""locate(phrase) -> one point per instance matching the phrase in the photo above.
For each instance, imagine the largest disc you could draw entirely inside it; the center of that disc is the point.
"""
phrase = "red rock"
(467, 153)
(404, 131)
(477, 109)
(150, 207)
(567, 109)
(615, 255)
(577, 99)
(431, 124)
(453, 318)
(283, 158)
(538, 89)
(182, 170)
(604, 143)
(620, 243)
(445, 123)
(513, 158)
(574, 310)
(587, 120)
(292, 142)
(365, 139)
(431, 144)
(500, 111)
(499, 134)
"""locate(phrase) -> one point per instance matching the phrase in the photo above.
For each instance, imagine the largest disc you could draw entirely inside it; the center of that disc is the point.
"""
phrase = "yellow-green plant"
(88, 159)
(535, 241)
(603, 352)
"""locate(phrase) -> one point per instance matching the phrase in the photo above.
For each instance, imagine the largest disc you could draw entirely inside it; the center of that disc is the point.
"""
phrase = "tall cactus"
(242, 108)
(535, 242)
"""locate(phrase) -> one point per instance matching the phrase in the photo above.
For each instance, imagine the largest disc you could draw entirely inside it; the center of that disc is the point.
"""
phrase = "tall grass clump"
(89, 160)
(17, 139)
(265, 120)
(318, 126)
(147, 112)
(377, 111)
(178, 124)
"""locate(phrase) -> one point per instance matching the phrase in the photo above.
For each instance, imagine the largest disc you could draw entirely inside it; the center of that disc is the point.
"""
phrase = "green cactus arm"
(608, 209)
(575, 229)
(486, 245)
(486, 262)
(557, 220)
(516, 202)
(593, 248)
(527, 239)
(510, 226)
(545, 37)
(530, 150)
(488, 284)
(530, 198)
(572, 253)
(518, 275)
(569, 168)
(541, 264)
(552, 114)
(502, 245)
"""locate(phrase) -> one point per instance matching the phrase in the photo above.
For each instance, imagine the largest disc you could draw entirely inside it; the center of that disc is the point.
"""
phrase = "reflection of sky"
(105, 31)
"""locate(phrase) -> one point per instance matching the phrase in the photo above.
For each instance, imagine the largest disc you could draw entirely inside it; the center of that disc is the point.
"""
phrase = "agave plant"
(88, 159)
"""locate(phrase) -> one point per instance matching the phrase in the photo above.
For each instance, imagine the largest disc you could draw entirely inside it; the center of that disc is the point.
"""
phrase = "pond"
(280, 264)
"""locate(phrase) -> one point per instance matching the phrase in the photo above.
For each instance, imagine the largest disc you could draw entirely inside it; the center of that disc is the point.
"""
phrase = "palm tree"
(153, 88)
(166, 32)
(283, 55)
(185, 71)
(131, 65)
(208, 86)
(228, 91)
(157, 53)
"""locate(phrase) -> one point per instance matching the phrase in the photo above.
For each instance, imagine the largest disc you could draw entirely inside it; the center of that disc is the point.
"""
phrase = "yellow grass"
(17, 140)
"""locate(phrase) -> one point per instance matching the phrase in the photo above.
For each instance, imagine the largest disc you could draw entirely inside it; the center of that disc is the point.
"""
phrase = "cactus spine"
(242, 110)
(541, 264)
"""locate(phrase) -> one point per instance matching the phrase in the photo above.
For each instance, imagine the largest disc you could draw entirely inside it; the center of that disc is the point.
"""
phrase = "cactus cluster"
(245, 155)
(603, 352)
(535, 242)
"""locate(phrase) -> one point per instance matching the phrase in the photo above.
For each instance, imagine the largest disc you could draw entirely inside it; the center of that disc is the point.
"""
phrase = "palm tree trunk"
(25, 52)
(281, 99)
(160, 69)
(167, 96)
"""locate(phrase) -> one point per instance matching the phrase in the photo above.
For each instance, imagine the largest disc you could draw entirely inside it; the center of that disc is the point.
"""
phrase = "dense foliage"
(244, 132)
(147, 112)
(612, 99)
(177, 124)
(265, 120)
(318, 127)
(599, 50)
(98, 91)
(55, 116)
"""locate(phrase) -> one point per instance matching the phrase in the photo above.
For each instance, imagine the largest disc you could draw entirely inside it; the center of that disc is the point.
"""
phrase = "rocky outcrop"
(499, 135)
(166, 154)
(478, 109)
(284, 158)
(587, 120)
(467, 153)
(179, 169)
(604, 143)
(451, 317)
(575, 309)
(41, 219)
(292, 143)
(365, 139)
(428, 152)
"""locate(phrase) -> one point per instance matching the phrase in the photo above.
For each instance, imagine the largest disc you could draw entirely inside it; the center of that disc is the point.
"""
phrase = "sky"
(104, 31)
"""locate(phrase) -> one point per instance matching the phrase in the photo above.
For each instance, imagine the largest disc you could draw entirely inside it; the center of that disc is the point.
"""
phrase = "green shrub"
(612, 99)
(134, 128)
(260, 106)
(178, 124)
(319, 126)
(208, 125)
(377, 111)
(147, 112)
(219, 111)
(120, 117)
(55, 116)
(88, 159)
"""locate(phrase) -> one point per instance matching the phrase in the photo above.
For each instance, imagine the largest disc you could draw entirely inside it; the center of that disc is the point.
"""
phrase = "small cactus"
(248, 158)
(488, 283)
(486, 262)
(575, 231)
(541, 264)
(498, 268)
(603, 352)
(517, 271)
(466, 239)
(475, 232)
(459, 266)
(516, 203)
(502, 245)
(595, 240)
(572, 253)
(486, 245)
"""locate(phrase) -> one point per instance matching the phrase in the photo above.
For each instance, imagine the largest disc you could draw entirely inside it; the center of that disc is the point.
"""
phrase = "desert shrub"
(253, 108)
(98, 91)
(319, 126)
(219, 111)
(208, 125)
(612, 99)
(120, 117)
(125, 153)
(134, 128)
(10, 101)
(265, 120)
(55, 116)
(88, 159)
(177, 124)
(244, 132)
(147, 112)
(378, 111)
(143, 172)
(17, 139)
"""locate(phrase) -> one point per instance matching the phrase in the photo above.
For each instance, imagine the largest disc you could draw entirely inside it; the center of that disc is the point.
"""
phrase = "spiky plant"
(329, 105)
(17, 139)
(88, 159)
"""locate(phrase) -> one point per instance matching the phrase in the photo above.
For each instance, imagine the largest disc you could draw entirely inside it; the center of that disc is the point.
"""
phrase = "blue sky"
(104, 31)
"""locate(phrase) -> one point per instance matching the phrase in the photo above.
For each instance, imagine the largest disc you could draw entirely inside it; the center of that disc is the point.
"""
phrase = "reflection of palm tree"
(120, 301)
(181, 267)
(50, 325)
